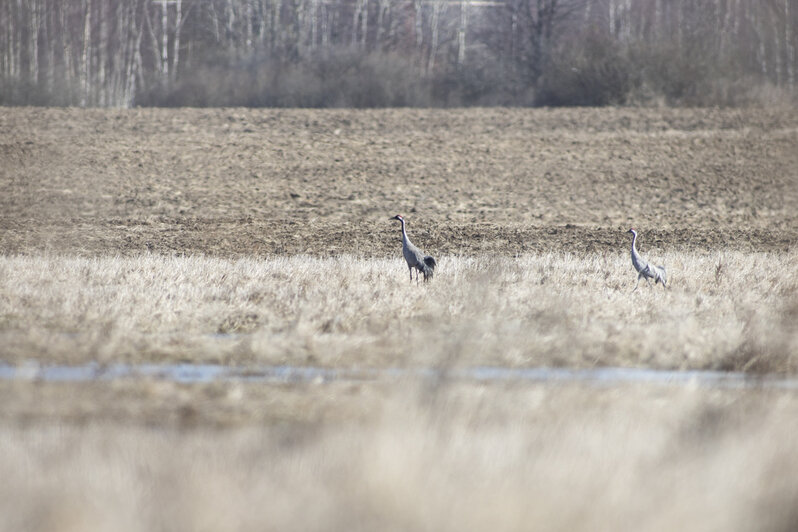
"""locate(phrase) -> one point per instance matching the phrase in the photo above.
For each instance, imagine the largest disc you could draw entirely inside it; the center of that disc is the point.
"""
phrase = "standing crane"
(414, 257)
(644, 269)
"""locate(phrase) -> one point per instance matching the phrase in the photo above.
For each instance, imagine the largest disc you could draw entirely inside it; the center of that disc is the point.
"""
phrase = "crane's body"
(414, 257)
(644, 269)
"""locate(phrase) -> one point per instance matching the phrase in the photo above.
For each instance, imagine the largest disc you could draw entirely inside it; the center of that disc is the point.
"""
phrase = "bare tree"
(789, 44)
(418, 22)
(359, 22)
(534, 24)
(438, 11)
(85, 63)
(176, 40)
(33, 38)
(461, 33)
(104, 52)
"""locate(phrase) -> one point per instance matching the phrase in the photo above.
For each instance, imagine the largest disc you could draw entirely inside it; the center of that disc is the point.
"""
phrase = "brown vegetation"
(535, 310)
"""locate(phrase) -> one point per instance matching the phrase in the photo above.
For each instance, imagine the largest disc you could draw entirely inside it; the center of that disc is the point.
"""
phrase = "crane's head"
(398, 217)
(632, 230)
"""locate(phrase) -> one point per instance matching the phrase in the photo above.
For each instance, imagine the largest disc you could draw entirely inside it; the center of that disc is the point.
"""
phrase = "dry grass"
(406, 455)
(461, 457)
(730, 311)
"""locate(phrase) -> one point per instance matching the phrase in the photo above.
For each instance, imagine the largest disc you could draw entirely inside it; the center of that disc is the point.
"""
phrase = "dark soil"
(236, 182)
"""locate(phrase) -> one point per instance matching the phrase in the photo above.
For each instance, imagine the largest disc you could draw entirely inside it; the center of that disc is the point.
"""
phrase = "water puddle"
(205, 373)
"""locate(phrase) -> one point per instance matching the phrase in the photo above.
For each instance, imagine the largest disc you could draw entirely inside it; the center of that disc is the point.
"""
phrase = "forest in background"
(377, 53)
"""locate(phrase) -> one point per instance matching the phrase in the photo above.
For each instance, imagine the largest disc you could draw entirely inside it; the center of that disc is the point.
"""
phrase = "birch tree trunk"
(437, 9)
(230, 14)
(85, 63)
(727, 29)
(626, 18)
(788, 22)
(48, 29)
(157, 54)
(761, 52)
(248, 29)
(325, 28)
(5, 60)
(264, 14)
(777, 55)
(314, 23)
(275, 23)
(461, 33)
(12, 48)
(382, 8)
(391, 22)
(101, 89)
(164, 42)
(133, 67)
(16, 41)
(66, 46)
(364, 25)
(418, 22)
(299, 39)
(33, 36)
(358, 12)
(176, 39)
(116, 68)
(612, 8)
(214, 21)
(657, 25)
(4, 27)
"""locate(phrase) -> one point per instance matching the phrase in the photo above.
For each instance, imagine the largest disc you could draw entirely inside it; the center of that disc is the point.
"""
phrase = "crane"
(644, 269)
(414, 257)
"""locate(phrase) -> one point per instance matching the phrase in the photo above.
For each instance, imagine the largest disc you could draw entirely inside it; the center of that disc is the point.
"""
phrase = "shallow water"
(204, 373)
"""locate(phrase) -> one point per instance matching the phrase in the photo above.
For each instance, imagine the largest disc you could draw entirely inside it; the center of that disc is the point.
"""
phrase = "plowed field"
(240, 182)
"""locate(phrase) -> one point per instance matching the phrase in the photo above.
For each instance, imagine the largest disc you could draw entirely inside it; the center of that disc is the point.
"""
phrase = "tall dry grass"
(732, 311)
(463, 457)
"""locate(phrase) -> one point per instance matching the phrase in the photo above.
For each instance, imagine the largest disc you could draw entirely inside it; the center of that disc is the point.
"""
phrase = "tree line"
(369, 53)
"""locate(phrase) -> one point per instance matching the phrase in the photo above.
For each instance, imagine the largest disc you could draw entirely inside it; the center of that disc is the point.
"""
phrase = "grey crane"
(644, 269)
(414, 257)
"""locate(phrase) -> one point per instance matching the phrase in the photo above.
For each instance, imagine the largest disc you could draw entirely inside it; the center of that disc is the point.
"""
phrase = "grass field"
(731, 311)
(256, 237)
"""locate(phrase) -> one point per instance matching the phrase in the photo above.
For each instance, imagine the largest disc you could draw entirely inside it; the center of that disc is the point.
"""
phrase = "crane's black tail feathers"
(429, 267)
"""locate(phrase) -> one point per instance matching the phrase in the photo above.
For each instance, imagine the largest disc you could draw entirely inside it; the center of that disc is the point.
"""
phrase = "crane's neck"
(634, 245)
(404, 232)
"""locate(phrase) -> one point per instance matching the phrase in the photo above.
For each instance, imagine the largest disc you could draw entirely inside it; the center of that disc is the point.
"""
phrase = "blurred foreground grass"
(413, 456)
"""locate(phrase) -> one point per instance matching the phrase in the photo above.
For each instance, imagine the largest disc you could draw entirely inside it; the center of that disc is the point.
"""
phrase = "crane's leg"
(411, 273)
(637, 283)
